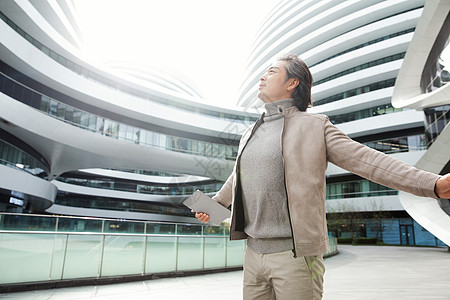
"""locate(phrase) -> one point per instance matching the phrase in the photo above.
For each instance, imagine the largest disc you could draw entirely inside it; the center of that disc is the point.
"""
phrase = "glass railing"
(437, 119)
(170, 189)
(39, 248)
(354, 92)
(439, 78)
(16, 158)
(57, 224)
(167, 207)
(409, 143)
(47, 248)
(363, 114)
(362, 194)
(366, 44)
(357, 189)
(363, 66)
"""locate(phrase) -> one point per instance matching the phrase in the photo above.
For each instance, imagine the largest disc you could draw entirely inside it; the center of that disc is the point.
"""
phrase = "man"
(277, 187)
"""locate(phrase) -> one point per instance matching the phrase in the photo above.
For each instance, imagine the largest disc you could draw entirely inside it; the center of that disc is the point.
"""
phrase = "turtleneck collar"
(273, 108)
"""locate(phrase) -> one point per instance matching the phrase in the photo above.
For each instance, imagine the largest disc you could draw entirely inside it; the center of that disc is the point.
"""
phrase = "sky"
(204, 41)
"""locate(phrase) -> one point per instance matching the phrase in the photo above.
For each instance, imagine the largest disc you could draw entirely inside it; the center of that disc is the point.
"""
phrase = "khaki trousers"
(280, 276)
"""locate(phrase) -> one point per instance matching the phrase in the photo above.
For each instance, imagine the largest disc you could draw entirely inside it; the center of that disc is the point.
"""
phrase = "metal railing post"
(64, 259)
(176, 253)
(53, 250)
(203, 252)
(144, 259)
(100, 265)
(226, 252)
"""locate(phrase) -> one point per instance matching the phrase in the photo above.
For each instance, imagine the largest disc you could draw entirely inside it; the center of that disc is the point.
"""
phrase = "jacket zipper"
(285, 188)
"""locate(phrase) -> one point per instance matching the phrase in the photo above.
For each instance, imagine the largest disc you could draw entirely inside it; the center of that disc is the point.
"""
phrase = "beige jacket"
(309, 142)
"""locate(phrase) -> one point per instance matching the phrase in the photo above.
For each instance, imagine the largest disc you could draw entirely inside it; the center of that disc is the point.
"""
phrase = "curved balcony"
(23, 180)
(29, 192)
(50, 137)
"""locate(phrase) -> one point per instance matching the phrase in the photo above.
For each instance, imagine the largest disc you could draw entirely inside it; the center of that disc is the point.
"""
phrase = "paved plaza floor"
(356, 273)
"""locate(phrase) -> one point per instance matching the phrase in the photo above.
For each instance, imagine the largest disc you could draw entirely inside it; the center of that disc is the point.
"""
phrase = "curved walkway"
(357, 272)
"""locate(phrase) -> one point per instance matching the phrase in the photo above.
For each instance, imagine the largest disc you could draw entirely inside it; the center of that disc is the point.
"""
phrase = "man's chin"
(263, 97)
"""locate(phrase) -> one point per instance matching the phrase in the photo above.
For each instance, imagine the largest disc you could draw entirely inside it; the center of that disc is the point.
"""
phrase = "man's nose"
(263, 77)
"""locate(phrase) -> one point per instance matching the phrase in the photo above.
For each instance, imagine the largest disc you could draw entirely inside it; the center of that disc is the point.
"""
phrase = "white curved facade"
(123, 142)
(355, 50)
(421, 85)
(61, 114)
(321, 29)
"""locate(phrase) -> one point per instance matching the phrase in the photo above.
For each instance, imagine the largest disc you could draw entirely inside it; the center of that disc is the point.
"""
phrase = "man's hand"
(202, 217)
(442, 187)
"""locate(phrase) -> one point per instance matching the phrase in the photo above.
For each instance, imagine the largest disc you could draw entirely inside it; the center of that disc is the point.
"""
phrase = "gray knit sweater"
(262, 180)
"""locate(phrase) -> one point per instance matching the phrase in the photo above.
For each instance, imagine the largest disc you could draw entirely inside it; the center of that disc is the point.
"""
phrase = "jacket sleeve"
(224, 195)
(376, 166)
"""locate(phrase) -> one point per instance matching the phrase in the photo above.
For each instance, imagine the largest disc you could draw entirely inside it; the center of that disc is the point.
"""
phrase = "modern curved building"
(106, 141)
(121, 142)
(355, 50)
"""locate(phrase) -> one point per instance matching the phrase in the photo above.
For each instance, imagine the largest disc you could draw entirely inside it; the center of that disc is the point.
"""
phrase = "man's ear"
(293, 83)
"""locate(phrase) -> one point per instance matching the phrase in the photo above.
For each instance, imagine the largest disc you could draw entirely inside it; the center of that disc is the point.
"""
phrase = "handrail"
(14, 166)
(86, 218)
(17, 222)
(113, 234)
(396, 148)
(429, 87)
(140, 188)
(353, 194)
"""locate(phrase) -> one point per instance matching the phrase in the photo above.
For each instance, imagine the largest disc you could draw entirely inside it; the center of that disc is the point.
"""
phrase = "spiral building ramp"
(422, 85)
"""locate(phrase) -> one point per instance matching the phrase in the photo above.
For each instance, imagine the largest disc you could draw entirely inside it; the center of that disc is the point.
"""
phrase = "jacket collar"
(288, 112)
(276, 107)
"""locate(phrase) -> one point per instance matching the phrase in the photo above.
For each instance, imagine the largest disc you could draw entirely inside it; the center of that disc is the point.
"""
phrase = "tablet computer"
(200, 202)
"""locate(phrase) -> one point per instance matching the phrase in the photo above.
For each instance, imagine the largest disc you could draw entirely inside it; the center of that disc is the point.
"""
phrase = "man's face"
(273, 84)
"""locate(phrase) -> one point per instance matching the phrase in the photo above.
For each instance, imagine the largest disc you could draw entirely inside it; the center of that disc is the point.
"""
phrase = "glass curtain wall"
(111, 128)
(356, 189)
